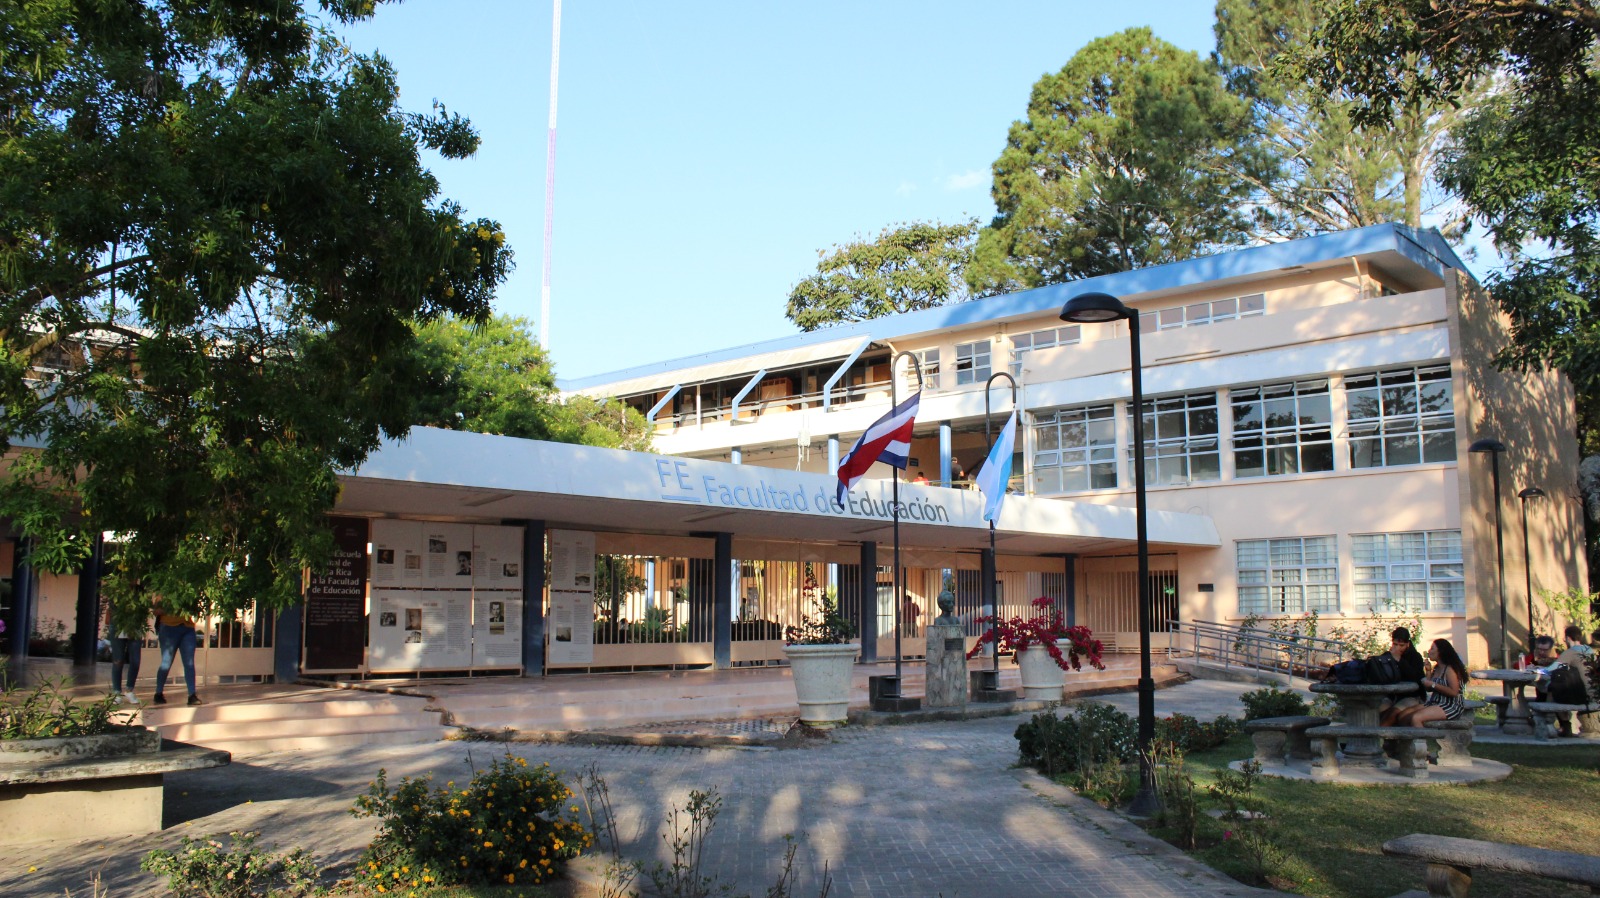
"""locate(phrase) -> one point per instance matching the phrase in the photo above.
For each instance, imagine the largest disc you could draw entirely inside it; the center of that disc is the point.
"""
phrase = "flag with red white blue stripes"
(887, 440)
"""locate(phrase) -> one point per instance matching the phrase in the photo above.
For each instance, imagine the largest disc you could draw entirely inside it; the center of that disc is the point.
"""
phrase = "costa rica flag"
(887, 440)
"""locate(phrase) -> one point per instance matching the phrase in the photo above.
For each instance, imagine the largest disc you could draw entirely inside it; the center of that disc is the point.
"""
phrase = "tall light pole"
(1088, 308)
(1494, 447)
(1531, 492)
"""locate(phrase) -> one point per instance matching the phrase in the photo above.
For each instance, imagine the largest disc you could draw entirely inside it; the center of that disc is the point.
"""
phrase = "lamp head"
(1531, 492)
(1091, 307)
(1487, 444)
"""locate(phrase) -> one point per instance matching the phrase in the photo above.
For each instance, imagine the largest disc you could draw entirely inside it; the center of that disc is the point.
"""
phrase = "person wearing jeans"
(176, 633)
(125, 649)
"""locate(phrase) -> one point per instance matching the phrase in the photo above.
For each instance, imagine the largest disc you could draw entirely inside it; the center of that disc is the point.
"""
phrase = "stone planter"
(1042, 678)
(822, 681)
(121, 742)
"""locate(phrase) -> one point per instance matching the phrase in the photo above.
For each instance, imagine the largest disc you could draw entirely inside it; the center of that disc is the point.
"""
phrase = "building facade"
(1316, 399)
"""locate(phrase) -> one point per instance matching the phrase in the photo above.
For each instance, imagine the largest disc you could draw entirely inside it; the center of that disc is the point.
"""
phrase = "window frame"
(1095, 459)
(1274, 571)
(967, 367)
(1427, 574)
(1379, 441)
(1274, 442)
(1162, 449)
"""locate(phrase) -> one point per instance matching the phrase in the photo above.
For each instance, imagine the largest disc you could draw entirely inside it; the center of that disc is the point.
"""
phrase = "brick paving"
(918, 810)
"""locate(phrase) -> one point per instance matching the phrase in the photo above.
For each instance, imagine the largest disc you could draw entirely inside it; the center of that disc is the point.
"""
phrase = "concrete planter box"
(89, 787)
(822, 681)
(1042, 678)
(121, 742)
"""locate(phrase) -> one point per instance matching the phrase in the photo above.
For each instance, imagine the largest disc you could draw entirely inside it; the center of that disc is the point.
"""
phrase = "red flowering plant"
(1044, 628)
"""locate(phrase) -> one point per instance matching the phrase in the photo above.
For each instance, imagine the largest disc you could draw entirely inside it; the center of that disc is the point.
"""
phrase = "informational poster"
(445, 596)
(397, 554)
(336, 600)
(571, 624)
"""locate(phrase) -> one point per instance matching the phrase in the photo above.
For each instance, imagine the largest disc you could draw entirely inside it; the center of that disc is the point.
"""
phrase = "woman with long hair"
(1444, 688)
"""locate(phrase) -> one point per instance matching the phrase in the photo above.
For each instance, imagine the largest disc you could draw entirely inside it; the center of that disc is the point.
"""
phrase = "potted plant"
(821, 655)
(1036, 646)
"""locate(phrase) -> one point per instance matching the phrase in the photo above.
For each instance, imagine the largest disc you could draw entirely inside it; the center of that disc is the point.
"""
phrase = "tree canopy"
(1330, 173)
(1130, 156)
(215, 233)
(914, 266)
(1526, 162)
(493, 377)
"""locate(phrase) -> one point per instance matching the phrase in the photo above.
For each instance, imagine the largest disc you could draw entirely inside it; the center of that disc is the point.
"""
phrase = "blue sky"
(708, 150)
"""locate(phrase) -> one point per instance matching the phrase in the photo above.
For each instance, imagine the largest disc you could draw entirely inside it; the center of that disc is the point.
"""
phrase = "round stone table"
(1360, 705)
(1519, 720)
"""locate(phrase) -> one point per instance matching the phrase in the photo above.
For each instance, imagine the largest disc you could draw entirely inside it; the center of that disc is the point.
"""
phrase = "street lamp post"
(1494, 447)
(1531, 492)
(1093, 307)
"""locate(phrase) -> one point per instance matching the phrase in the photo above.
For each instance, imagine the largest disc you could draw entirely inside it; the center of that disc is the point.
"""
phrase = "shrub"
(1095, 735)
(1273, 702)
(1179, 809)
(507, 826)
(1187, 734)
(203, 868)
(1045, 628)
(47, 712)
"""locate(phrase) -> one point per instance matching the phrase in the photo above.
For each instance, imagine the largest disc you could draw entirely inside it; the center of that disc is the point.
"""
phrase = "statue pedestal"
(947, 667)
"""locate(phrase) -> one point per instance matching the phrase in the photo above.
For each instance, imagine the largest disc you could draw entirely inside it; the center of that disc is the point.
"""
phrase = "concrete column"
(944, 453)
(833, 453)
(722, 602)
(736, 455)
(88, 617)
(987, 574)
(867, 584)
(532, 597)
(287, 643)
(1069, 602)
(18, 621)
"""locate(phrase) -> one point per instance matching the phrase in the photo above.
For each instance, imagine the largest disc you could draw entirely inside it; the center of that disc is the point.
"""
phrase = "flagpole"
(988, 588)
(899, 572)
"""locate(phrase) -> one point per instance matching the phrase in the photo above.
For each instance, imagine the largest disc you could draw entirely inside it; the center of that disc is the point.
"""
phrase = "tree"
(1129, 156)
(914, 266)
(215, 234)
(493, 377)
(1331, 173)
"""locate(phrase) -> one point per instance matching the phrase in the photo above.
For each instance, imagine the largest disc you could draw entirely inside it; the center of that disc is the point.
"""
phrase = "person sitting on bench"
(1443, 687)
(1404, 652)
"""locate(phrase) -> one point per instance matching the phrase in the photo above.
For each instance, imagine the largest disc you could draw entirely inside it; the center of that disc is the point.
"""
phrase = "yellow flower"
(511, 878)
(488, 844)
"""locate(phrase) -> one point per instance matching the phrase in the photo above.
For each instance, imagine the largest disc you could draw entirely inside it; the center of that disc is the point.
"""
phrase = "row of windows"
(1403, 416)
(1394, 572)
(973, 360)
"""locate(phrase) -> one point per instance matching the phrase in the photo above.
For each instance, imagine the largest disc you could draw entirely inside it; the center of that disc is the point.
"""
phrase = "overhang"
(450, 475)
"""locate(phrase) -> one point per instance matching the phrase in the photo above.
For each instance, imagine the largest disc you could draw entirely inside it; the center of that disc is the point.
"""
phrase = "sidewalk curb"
(1120, 829)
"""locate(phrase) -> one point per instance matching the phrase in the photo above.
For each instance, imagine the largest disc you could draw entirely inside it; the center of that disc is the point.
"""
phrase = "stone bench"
(1453, 736)
(1272, 736)
(1546, 714)
(66, 792)
(1451, 862)
(1501, 703)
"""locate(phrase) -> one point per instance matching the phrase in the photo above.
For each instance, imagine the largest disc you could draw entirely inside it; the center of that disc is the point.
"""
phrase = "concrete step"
(161, 715)
(246, 747)
(200, 733)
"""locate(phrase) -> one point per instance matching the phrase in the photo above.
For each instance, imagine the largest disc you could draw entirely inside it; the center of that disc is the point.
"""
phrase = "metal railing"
(1251, 648)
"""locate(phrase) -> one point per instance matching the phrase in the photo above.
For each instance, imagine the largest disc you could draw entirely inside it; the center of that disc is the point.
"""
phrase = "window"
(1075, 449)
(1282, 429)
(1416, 571)
(1405, 416)
(1180, 439)
(929, 360)
(972, 362)
(1201, 313)
(1048, 338)
(1288, 576)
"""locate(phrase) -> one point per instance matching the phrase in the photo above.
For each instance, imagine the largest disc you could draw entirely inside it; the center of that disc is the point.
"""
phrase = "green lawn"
(1331, 836)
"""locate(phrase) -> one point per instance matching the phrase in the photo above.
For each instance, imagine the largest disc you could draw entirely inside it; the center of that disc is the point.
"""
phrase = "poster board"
(571, 625)
(336, 602)
(445, 597)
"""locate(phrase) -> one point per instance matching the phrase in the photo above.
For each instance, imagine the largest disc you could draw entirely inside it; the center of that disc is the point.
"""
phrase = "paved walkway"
(918, 810)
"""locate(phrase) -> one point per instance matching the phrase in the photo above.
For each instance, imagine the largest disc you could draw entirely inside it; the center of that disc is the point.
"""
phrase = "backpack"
(1348, 672)
(1567, 686)
(1382, 669)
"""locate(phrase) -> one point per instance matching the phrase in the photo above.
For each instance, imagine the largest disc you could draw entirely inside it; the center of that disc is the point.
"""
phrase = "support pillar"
(532, 597)
(18, 622)
(867, 583)
(833, 454)
(722, 601)
(944, 453)
(736, 455)
(85, 639)
(988, 576)
(288, 643)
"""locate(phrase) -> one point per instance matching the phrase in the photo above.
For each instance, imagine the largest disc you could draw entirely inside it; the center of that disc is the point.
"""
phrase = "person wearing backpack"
(1401, 664)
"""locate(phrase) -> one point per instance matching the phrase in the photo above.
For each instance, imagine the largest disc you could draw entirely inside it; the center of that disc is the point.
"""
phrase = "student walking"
(176, 633)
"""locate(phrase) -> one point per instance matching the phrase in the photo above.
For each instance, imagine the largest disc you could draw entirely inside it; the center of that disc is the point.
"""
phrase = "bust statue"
(947, 607)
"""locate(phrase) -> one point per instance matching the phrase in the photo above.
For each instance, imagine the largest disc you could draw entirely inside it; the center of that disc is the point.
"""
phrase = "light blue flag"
(996, 472)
